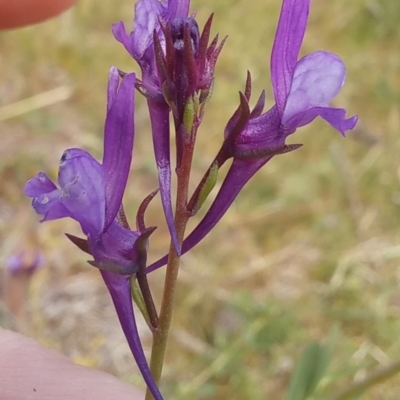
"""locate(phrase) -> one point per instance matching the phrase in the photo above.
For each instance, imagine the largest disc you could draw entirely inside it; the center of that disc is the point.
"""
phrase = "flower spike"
(303, 90)
(177, 66)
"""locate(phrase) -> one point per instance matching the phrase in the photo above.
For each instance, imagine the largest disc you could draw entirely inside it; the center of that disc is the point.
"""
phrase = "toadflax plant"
(177, 62)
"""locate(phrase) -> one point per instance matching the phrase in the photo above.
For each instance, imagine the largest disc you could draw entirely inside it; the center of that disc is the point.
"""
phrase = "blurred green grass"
(311, 245)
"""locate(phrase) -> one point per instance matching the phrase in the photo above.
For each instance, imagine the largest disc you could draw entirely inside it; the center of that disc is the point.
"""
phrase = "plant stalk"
(372, 379)
(160, 336)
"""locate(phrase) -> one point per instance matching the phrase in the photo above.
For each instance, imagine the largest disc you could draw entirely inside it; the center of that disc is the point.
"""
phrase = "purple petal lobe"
(289, 36)
(147, 13)
(46, 197)
(38, 185)
(317, 79)
(82, 190)
(120, 291)
(119, 32)
(112, 88)
(118, 145)
(50, 206)
(335, 116)
(140, 42)
(177, 8)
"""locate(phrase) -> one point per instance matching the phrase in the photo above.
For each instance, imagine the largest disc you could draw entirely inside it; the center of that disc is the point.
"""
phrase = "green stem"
(372, 379)
(160, 336)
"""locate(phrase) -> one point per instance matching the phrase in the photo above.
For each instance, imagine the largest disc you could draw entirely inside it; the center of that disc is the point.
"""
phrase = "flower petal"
(50, 206)
(147, 13)
(112, 88)
(335, 116)
(120, 291)
(46, 197)
(159, 115)
(139, 43)
(177, 8)
(317, 79)
(119, 32)
(118, 145)
(289, 36)
(38, 185)
(82, 190)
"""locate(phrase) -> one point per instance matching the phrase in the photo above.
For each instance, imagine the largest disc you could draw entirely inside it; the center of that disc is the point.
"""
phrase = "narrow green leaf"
(309, 371)
(139, 301)
(208, 186)
(188, 115)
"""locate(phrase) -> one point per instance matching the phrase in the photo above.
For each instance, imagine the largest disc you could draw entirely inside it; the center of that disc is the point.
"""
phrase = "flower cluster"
(302, 89)
(24, 263)
(177, 65)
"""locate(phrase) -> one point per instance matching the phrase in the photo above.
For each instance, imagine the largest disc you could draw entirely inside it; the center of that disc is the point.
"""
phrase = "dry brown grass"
(310, 247)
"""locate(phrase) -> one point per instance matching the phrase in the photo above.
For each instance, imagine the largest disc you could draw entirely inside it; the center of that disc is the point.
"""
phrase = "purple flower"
(24, 263)
(177, 74)
(186, 75)
(302, 89)
(91, 193)
(140, 45)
